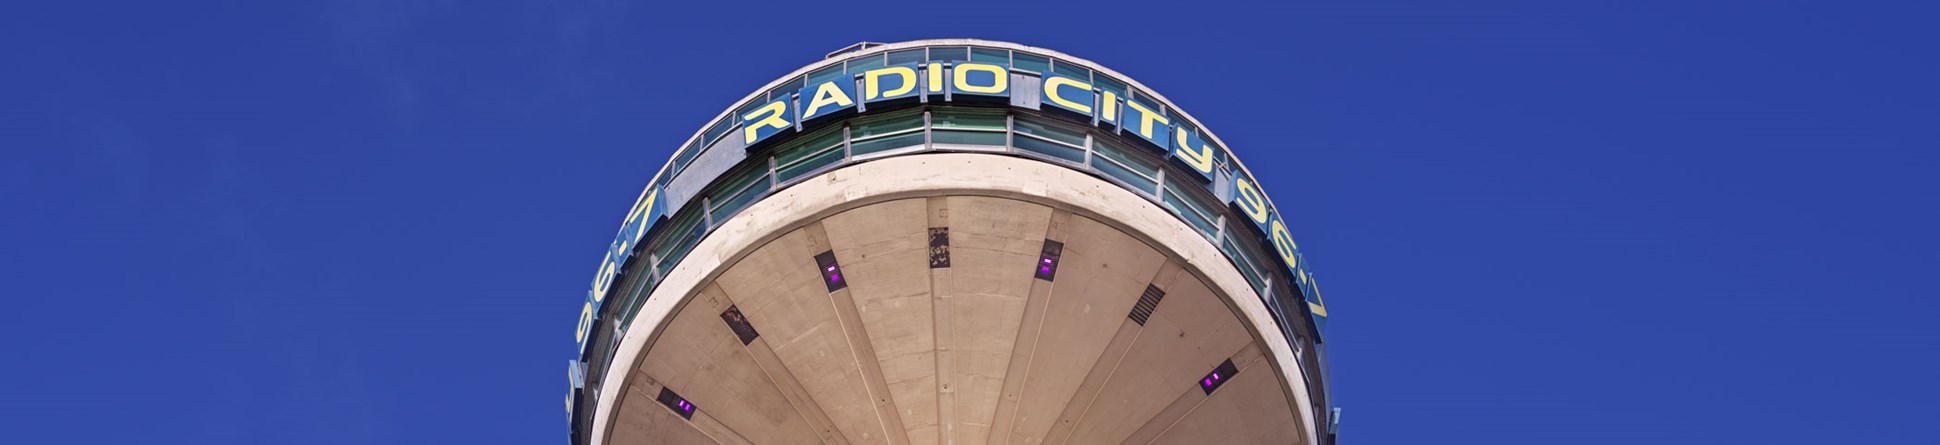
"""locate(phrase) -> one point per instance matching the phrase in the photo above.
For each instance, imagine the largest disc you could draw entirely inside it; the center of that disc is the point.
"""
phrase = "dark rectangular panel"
(739, 324)
(939, 247)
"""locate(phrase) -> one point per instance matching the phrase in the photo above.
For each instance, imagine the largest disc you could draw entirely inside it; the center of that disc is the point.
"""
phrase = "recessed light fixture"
(831, 272)
(1047, 260)
(1219, 376)
(674, 402)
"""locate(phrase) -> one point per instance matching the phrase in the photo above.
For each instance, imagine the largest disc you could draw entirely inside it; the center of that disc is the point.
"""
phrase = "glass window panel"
(1050, 131)
(1129, 159)
(674, 244)
(748, 108)
(1149, 102)
(1071, 69)
(1186, 205)
(858, 65)
(949, 54)
(1029, 62)
(806, 146)
(960, 118)
(906, 56)
(642, 286)
(1249, 267)
(687, 155)
(735, 182)
(887, 124)
(818, 159)
(1204, 226)
(1142, 183)
(967, 137)
(860, 148)
(990, 55)
(826, 74)
(1053, 149)
(785, 89)
(1109, 84)
(719, 129)
(738, 194)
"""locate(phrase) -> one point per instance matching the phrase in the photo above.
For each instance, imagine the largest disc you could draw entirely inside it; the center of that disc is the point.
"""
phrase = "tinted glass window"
(858, 65)
(806, 146)
(1070, 69)
(988, 55)
(738, 192)
(825, 74)
(949, 54)
(1190, 206)
(719, 129)
(1050, 131)
(1132, 168)
(906, 56)
(1057, 150)
(1109, 84)
(860, 148)
(958, 137)
(961, 118)
(1029, 62)
(905, 120)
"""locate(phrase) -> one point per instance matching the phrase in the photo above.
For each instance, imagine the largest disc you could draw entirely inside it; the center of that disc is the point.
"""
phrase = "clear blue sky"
(372, 222)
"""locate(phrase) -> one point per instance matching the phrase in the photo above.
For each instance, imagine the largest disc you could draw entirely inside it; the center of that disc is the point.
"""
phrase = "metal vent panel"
(1147, 303)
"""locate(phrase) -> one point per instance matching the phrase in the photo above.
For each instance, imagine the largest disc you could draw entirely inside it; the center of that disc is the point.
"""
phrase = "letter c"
(1054, 85)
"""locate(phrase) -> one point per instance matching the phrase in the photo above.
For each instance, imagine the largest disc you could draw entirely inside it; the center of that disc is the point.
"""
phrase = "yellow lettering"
(1200, 159)
(1109, 107)
(1251, 201)
(1318, 306)
(936, 77)
(1283, 243)
(1054, 84)
(826, 94)
(605, 278)
(585, 322)
(774, 119)
(639, 210)
(1000, 82)
(872, 82)
(1147, 119)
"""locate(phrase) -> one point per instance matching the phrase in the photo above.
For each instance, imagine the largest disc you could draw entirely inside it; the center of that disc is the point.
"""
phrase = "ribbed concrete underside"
(978, 352)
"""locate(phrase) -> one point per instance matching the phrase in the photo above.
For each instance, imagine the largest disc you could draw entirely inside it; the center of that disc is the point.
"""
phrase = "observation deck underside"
(934, 322)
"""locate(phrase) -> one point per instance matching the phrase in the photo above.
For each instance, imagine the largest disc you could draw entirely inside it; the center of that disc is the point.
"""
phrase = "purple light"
(1206, 382)
(835, 278)
(1044, 269)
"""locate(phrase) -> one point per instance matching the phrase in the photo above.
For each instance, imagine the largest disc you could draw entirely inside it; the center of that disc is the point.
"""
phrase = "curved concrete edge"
(946, 174)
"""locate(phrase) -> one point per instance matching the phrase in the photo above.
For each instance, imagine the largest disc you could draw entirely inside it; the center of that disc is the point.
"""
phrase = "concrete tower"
(952, 242)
